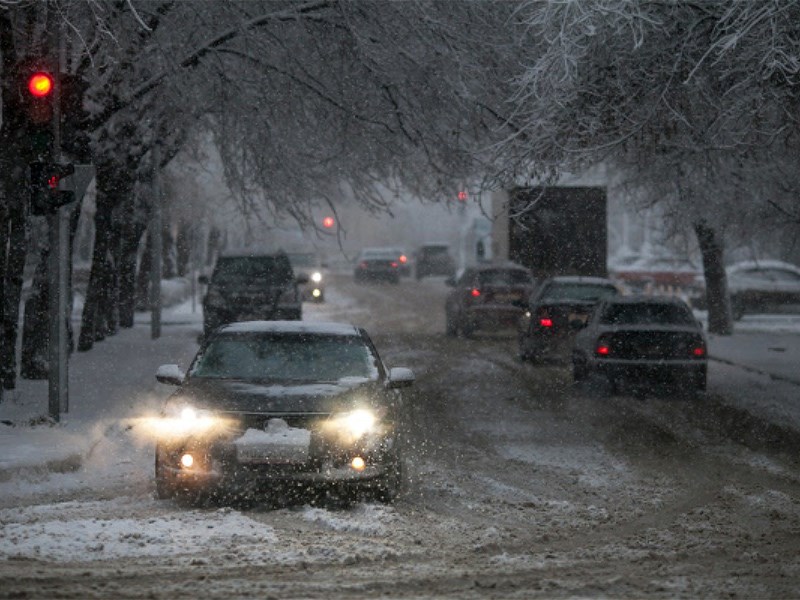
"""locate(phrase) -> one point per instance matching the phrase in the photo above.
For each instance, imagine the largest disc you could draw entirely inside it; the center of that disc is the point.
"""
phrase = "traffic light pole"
(58, 374)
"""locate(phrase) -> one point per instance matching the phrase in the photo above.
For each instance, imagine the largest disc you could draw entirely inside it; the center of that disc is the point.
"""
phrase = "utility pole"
(57, 221)
(155, 247)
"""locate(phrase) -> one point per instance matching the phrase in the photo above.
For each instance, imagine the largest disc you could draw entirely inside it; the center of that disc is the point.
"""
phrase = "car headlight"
(182, 418)
(356, 424)
(316, 277)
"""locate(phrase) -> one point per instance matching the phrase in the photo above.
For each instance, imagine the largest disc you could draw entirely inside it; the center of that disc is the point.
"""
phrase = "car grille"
(641, 345)
(245, 421)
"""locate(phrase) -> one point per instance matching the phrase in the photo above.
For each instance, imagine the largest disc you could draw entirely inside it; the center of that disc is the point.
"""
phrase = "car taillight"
(362, 265)
(603, 350)
(699, 351)
(394, 265)
(403, 258)
(475, 292)
(546, 322)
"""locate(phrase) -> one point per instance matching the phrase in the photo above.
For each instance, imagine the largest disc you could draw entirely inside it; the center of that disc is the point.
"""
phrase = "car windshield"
(646, 313)
(257, 269)
(504, 277)
(286, 357)
(559, 292)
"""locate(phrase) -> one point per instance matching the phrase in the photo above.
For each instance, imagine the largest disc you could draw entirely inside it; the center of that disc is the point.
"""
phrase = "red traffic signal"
(40, 84)
(46, 198)
(328, 222)
(462, 196)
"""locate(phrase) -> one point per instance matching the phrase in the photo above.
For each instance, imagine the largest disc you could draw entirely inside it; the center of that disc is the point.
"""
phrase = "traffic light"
(328, 222)
(46, 198)
(462, 196)
(38, 92)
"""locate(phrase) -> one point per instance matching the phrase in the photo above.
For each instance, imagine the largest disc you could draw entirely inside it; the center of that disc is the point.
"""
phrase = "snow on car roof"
(762, 264)
(644, 299)
(582, 279)
(320, 328)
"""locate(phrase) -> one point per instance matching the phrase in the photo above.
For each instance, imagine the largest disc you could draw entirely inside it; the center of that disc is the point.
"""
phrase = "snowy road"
(519, 485)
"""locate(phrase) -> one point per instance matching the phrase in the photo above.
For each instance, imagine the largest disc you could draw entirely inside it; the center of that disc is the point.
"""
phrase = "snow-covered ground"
(113, 389)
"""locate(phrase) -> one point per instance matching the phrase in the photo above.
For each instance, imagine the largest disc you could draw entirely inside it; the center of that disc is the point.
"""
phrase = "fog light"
(316, 293)
(187, 460)
(358, 463)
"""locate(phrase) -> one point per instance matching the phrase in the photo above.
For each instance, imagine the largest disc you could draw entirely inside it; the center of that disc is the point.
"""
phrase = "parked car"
(557, 309)
(664, 274)
(434, 259)
(646, 339)
(251, 286)
(269, 402)
(487, 296)
(311, 266)
(763, 286)
(377, 264)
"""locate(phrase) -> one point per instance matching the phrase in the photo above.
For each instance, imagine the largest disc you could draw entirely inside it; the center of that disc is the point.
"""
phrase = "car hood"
(277, 397)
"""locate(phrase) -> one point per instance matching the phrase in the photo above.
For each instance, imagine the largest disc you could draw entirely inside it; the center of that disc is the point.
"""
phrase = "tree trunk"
(132, 235)
(143, 276)
(12, 290)
(720, 320)
(35, 330)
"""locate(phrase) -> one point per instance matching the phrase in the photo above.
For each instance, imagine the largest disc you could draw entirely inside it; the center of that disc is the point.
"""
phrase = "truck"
(552, 230)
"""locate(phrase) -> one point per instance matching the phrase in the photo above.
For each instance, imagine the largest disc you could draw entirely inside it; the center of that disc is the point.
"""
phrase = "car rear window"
(647, 313)
(558, 292)
(262, 269)
(504, 277)
(286, 357)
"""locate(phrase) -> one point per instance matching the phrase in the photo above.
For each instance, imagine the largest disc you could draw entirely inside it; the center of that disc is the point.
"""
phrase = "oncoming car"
(646, 339)
(556, 310)
(268, 402)
(309, 266)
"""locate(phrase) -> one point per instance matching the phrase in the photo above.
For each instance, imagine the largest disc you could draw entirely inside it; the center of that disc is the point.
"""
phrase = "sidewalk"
(757, 368)
(112, 381)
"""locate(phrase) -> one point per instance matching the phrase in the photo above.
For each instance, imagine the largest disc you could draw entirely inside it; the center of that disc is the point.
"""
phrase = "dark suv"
(249, 287)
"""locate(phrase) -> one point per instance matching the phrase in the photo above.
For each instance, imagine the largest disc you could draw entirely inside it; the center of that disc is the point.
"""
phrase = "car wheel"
(737, 309)
(388, 487)
(699, 380)
(451, 327)
(165, 483)
(613, 384)
(579, 371)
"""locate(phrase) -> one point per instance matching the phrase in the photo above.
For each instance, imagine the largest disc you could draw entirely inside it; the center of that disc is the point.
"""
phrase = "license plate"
(277, 444)
(506, 297)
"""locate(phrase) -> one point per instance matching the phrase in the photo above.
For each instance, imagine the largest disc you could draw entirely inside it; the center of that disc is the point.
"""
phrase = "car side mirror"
(170, 375)
(400, 377)
(301, 278)
(203, 279)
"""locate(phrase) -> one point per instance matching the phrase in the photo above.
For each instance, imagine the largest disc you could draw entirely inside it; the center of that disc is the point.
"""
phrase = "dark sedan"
(644, 339)
(266, 402)
(487, 297)
(556, 310)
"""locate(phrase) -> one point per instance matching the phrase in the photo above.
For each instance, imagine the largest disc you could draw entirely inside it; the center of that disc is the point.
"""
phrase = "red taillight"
(545, 322)
(394, 265)
(475, 292)
(362, 265)
(603, 350)
(699, 351)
